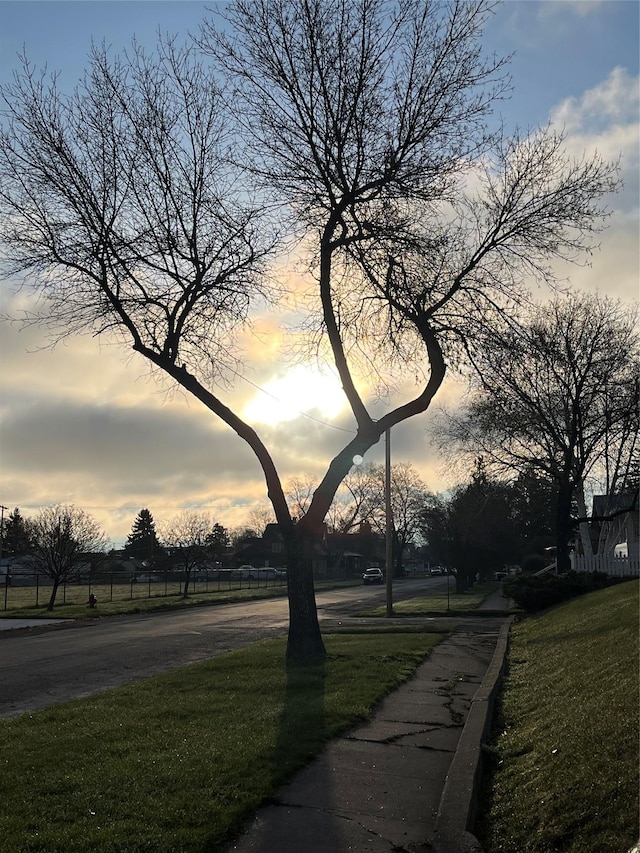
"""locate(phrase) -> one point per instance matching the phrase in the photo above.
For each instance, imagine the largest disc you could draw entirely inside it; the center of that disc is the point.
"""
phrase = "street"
(41, 668)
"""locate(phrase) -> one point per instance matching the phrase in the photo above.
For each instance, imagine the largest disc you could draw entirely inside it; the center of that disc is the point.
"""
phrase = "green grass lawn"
(178, 761)
(144, 598)
(440, 601)
(567, 758)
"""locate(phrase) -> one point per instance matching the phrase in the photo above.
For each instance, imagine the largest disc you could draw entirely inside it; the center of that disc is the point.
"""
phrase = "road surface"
(40, 668)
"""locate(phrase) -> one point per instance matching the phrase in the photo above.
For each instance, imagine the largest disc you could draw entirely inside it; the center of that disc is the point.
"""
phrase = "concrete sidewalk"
(405, 781)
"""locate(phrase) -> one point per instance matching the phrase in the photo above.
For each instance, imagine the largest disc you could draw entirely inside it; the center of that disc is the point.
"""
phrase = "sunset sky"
(86, 424)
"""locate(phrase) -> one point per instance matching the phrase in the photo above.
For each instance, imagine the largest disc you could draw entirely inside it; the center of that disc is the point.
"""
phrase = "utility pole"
(3, 509)
(6, 577)
(388, 522)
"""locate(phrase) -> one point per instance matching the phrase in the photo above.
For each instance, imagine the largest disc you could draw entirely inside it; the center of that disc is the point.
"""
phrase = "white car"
(373, 575)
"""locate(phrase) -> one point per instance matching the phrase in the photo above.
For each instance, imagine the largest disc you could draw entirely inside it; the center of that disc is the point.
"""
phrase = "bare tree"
(259, 517)
(364, 122)
(558, 394)
(299, 494)
(408, 496)
(361, 498)
(187, 539)
(63, 541)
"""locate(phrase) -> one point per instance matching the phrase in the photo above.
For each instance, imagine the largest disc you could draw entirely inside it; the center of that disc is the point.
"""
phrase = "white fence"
(617, 567)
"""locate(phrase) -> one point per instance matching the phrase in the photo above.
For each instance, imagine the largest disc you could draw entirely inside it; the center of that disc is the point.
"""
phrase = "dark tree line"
(488, 524)
(61, 542)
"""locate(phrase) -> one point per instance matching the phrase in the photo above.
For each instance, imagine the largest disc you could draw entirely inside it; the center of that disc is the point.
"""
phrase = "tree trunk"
(54, 592)
(585, 538)
(304, 643)
(564, 529)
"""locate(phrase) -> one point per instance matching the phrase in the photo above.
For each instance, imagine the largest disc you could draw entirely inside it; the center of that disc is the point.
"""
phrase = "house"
(615, 537)
(269, 550)
(615, 523)
(334, 554)
(351, 553)
(258, 551)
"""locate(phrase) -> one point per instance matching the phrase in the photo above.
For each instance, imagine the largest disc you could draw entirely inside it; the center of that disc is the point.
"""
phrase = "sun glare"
(304, 390)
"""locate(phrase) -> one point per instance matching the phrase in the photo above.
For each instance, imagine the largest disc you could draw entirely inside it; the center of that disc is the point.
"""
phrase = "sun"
(303, 390)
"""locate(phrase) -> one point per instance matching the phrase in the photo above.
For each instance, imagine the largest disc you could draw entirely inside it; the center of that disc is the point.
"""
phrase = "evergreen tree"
(142, 542)
(218, 541)
(534, 509)
(473, 530)
(15, 536)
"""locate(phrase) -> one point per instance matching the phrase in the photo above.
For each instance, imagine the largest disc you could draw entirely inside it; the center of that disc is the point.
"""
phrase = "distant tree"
(218, 541)
(361, 499)
(144, 204)
(15, 538)
(557, 394)
(142, 543)
(259, 517)
(472, 531)
(64, 540)
(241, 534)
(300, 494)
(408, 495)
(186, 538)
(436, 530)
(358, 500)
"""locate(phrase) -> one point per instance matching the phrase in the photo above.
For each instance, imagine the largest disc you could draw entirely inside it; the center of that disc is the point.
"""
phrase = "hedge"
(537, 592)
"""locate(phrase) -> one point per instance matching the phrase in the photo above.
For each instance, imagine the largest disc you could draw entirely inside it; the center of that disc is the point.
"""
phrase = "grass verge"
(178, 761)
(75, 607)
(439, 602)
(567, 757)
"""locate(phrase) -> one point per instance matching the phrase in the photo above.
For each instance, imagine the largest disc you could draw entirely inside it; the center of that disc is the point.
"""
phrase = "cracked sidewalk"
(378, 787)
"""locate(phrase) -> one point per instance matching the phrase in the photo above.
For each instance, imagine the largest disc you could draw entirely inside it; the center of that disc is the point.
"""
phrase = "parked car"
(373, 575)
(265, 574)
(438, 570)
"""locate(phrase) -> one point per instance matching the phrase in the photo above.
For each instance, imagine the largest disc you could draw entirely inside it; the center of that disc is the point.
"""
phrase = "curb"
(459, 801)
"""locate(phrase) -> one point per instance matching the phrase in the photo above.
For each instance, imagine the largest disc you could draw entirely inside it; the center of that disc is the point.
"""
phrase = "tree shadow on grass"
(309, 809)
(302, 732)
(302, 729)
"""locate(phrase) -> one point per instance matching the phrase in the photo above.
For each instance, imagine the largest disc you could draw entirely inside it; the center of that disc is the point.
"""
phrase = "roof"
(605, 505)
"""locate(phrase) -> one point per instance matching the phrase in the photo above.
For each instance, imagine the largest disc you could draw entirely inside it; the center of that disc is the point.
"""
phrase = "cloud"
(605, 107)
(544, 25)
(553, 9)
(606, 119)
(63, 449)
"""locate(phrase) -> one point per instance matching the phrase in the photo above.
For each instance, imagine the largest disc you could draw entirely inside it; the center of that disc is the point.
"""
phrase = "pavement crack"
(436, 749)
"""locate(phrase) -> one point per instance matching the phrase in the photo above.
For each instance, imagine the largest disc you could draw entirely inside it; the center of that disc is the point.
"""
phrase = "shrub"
(537, 592)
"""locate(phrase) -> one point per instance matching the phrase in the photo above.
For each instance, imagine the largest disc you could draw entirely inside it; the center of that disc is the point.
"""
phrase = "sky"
(86, 424)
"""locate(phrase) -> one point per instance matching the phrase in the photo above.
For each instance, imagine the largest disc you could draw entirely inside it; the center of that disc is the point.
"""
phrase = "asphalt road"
(41, 667)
